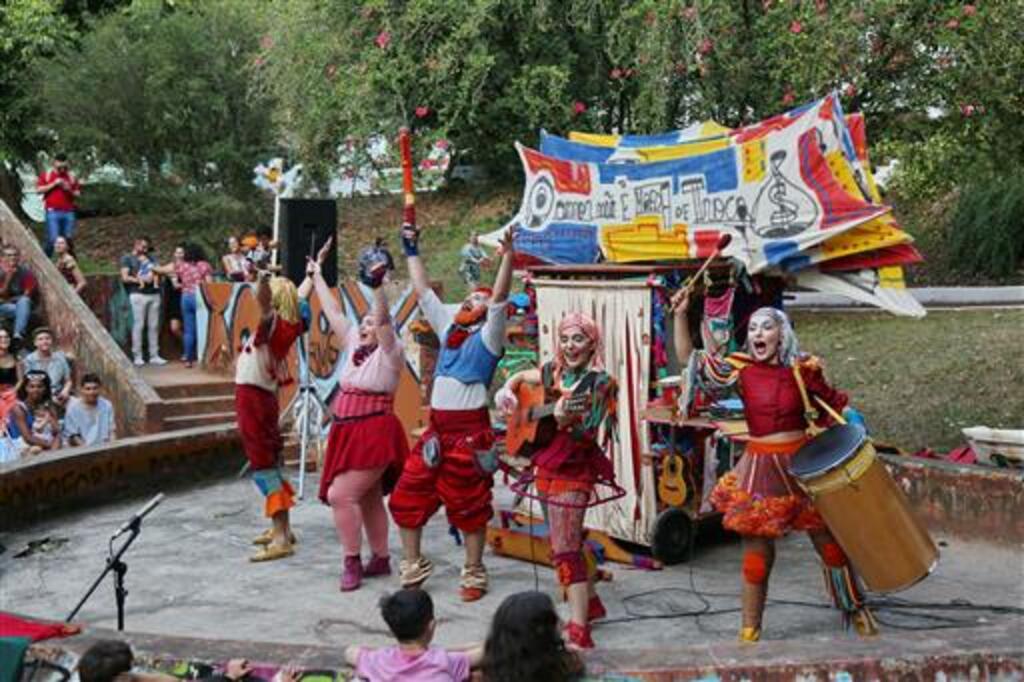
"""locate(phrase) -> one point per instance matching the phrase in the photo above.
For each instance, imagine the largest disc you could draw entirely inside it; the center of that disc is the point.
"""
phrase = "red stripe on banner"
(839, 206)
(900, 254)
(569, 176)
(634, 436)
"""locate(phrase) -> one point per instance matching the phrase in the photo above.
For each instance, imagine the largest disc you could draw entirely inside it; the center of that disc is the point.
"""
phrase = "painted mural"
(228, 314)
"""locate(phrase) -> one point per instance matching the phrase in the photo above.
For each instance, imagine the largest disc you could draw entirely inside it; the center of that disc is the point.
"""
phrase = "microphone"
(139, 515)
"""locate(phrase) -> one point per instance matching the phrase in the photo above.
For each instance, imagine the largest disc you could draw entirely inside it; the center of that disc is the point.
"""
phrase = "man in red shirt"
(59, 189)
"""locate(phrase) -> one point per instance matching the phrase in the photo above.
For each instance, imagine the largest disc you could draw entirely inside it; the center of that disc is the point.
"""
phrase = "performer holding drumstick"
(759, 498)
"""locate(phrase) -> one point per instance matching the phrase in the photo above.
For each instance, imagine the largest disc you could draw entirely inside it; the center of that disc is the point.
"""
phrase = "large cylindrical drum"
(866, 511)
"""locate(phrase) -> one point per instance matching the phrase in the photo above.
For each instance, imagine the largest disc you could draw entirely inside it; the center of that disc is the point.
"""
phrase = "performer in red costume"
(454, 461)
(759, 498)
(260, 371)
(568, 470)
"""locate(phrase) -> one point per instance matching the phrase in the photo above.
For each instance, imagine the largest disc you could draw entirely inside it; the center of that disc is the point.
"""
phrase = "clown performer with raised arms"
(759, 498)
(261, 370)
(367, 445)
(572, 472)
(454, 461)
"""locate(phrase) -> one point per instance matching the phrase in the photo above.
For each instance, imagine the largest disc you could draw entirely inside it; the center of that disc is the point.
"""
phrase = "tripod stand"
(307, 412)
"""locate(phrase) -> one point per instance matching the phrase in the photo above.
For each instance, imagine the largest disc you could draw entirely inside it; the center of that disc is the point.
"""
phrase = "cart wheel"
(673, 536)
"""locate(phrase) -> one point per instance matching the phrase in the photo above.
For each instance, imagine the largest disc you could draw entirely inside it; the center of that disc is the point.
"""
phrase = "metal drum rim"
(803, 476)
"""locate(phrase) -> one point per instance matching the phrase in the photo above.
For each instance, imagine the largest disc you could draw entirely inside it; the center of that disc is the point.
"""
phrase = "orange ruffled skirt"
(759, 497)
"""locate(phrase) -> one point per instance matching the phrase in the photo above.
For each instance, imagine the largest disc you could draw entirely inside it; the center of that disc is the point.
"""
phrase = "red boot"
(595, 609)
(578, 635)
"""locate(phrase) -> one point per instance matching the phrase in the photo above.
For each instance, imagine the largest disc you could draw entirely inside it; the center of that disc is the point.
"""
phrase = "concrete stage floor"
(189, 576)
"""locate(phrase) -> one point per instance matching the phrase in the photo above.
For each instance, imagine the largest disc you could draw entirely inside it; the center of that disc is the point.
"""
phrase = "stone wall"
(38, 487)
(79, 333)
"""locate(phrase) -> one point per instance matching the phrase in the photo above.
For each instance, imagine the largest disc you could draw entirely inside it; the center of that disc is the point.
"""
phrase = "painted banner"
(769, 186)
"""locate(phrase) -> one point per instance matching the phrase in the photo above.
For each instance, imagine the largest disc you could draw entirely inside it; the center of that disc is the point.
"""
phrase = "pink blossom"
(427, 164)
(796, 27)
(967, 109)
(953, 24)
(789, 97)
(970, 10)
(822, 5)
(383, 39)
(579, 107)
(850, 90)
(616, 74)
(690, 13)
(422, 112)
(259, 61)
(705, 46)
(441, 144)
(766, 4)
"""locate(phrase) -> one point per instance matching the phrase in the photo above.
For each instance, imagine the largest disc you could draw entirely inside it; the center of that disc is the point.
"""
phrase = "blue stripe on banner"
(560, 243)
(718, 168)
(656, 140)
(777, 250)
(553, 145)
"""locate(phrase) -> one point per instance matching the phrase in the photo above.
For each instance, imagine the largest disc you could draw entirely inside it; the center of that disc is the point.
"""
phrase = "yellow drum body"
(865, 510)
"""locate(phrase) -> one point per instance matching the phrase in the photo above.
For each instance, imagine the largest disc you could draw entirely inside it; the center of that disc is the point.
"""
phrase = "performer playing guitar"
(568, 469)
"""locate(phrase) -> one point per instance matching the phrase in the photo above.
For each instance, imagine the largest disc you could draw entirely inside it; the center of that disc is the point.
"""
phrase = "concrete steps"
(188, 421)
(192, 398)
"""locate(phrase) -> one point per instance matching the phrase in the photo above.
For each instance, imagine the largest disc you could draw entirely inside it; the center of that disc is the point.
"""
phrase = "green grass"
(919, 382)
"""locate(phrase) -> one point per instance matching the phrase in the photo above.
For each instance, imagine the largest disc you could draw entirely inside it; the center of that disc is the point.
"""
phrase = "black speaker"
(305, 225)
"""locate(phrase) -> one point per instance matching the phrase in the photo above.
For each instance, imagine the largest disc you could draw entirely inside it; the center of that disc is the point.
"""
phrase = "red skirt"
(366, 443)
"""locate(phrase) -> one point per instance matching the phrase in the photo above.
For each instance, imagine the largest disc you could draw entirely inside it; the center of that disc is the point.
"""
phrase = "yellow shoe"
(267, 536)
(864, 622)
(749, 635)
(272, 552)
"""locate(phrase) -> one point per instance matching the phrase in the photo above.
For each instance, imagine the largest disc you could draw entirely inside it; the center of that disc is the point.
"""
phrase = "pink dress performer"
(367, 445)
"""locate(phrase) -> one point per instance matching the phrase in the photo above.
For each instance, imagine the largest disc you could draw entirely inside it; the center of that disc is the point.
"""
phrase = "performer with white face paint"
(570, 470)
(759, 498)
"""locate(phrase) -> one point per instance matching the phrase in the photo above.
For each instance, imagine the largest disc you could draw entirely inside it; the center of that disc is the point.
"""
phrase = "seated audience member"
(45, 428)
(110, 659)
(410, 616)
(89, 419)
(235, 263)
(53, 363)
(33, 392)
(525, 644)
(10, 370)
(64, 259)
(17, 286)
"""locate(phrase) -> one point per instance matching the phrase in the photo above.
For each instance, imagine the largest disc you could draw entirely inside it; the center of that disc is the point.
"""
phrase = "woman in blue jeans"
(191, 272)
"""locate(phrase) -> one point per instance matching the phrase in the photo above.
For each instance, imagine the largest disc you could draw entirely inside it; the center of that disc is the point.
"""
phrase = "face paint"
(763, 336)
(576, 347)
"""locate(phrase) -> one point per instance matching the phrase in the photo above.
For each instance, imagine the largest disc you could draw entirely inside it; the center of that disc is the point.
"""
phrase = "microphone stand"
(119, 568)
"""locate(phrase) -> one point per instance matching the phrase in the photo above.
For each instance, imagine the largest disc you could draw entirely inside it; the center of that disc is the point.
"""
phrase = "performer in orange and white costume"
(261, 370)
(759, 498)
(568, 471)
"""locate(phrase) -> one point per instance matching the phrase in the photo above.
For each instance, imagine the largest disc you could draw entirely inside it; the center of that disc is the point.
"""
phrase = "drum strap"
(810, 414)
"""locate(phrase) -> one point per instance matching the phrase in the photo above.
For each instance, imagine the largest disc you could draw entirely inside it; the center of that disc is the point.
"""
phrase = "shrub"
(986, 231)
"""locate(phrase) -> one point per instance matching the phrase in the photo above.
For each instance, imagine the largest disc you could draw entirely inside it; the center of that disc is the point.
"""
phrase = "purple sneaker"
(377, 565)
(352, 575)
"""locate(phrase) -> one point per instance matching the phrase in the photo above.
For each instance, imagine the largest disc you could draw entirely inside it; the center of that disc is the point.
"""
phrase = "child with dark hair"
(410, 616)
(105, 660)
(524, 643)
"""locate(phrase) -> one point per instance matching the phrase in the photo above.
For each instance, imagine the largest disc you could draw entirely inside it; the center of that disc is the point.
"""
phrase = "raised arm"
(328, 304)
(382, 325)
(417, 269)
(503, 280)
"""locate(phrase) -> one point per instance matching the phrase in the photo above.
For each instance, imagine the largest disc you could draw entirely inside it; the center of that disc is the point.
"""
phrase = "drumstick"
(723, 242)
(408, 189)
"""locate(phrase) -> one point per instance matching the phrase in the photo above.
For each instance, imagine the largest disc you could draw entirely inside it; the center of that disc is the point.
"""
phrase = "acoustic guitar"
(672, 487)
(532, 425)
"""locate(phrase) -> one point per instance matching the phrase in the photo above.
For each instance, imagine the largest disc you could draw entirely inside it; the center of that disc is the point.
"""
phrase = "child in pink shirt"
(410, 616)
